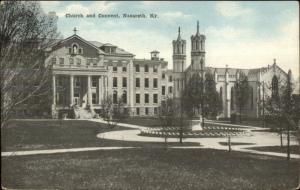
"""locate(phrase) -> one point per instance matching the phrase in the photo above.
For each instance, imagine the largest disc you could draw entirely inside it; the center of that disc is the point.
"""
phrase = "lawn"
(150, 168)
(294, 149)
(51, 134)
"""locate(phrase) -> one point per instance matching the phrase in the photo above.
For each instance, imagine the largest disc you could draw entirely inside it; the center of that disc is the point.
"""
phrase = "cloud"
(255, 52)
(228, 33)
(232, 9)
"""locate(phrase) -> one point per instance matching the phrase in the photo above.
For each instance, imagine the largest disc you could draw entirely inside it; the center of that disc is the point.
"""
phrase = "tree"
(282, 108)
(25, 32)
(212, 100)
(242, 90)
(193, 93)
(113, 113)
(167, 116)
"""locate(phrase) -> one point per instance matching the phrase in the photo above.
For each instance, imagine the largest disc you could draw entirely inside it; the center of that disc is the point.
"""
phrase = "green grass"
(294, 149)
(51, 134)
(150, 169)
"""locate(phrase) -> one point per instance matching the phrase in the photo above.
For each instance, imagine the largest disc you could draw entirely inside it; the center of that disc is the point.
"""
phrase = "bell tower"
(198, 50)
(179, 54)
(179, 64)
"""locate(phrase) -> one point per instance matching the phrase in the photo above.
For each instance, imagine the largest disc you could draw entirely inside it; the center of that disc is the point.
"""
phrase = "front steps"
(83, 113)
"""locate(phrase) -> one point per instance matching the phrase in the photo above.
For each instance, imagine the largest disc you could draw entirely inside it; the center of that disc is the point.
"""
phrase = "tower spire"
(197, 27)
(179, 37)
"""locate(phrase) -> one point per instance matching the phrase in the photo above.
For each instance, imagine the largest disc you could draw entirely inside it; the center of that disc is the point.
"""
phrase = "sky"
(243, 34)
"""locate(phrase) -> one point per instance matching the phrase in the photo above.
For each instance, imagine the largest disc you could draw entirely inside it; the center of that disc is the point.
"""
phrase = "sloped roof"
(118, 50)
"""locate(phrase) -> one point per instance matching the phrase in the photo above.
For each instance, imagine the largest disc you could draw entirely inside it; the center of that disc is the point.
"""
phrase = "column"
(100, 89)
(53, 90)
(71, 90)
(89, 92)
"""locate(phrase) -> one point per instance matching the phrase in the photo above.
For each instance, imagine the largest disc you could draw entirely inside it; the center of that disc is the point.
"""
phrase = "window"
(76, 95)
(94, 62)
(124, 69)
(146, 69)
(137, 68)
(137, 111)
(170, 78)
(75, 49)
(163, 90)
(78, 61)
(88, 61)
(155, 83)
(232, 99)
(192, 64)
(77, 82)
(155, 111)
(80, 51)
(146, 98)
(163, 76)
(155, 69)
(137, 82)
(115, 97)
(53, 60)
(170, 89)
(71, 60)
(124, 82)
(70, 50)
(115, 68)
(275, 87)
(155, 98)
(137, 98)
(124, 97)
(146, 111)
(115, 82)
(146, 82)
(60, 81)
(94, 98)
(94, 82)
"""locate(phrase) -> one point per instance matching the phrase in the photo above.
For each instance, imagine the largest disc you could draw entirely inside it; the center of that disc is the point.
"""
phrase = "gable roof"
(97, 45)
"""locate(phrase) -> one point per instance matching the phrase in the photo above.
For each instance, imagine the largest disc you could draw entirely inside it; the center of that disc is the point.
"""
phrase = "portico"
(84, 90)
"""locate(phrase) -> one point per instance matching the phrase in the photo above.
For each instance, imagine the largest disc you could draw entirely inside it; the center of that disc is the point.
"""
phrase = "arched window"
(197, 45)
(75, 49)
(201, 63)
(221, 93)
(182, 47)
(275, 87)
(178, 49)
(201, 44)
(124, 97)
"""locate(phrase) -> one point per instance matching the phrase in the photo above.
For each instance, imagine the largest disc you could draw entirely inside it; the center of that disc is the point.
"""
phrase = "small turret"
(155, 55)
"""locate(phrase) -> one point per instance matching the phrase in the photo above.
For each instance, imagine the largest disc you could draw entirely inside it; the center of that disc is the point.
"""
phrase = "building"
(85, 72)
(261, 80)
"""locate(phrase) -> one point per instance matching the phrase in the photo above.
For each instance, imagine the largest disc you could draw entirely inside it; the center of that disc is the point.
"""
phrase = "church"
(85, 72)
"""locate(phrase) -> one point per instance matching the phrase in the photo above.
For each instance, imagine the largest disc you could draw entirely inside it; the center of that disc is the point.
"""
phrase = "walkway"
(257, 139)
(55, 151)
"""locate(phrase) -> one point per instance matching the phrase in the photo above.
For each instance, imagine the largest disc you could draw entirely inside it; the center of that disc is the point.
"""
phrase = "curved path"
(257, 139)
